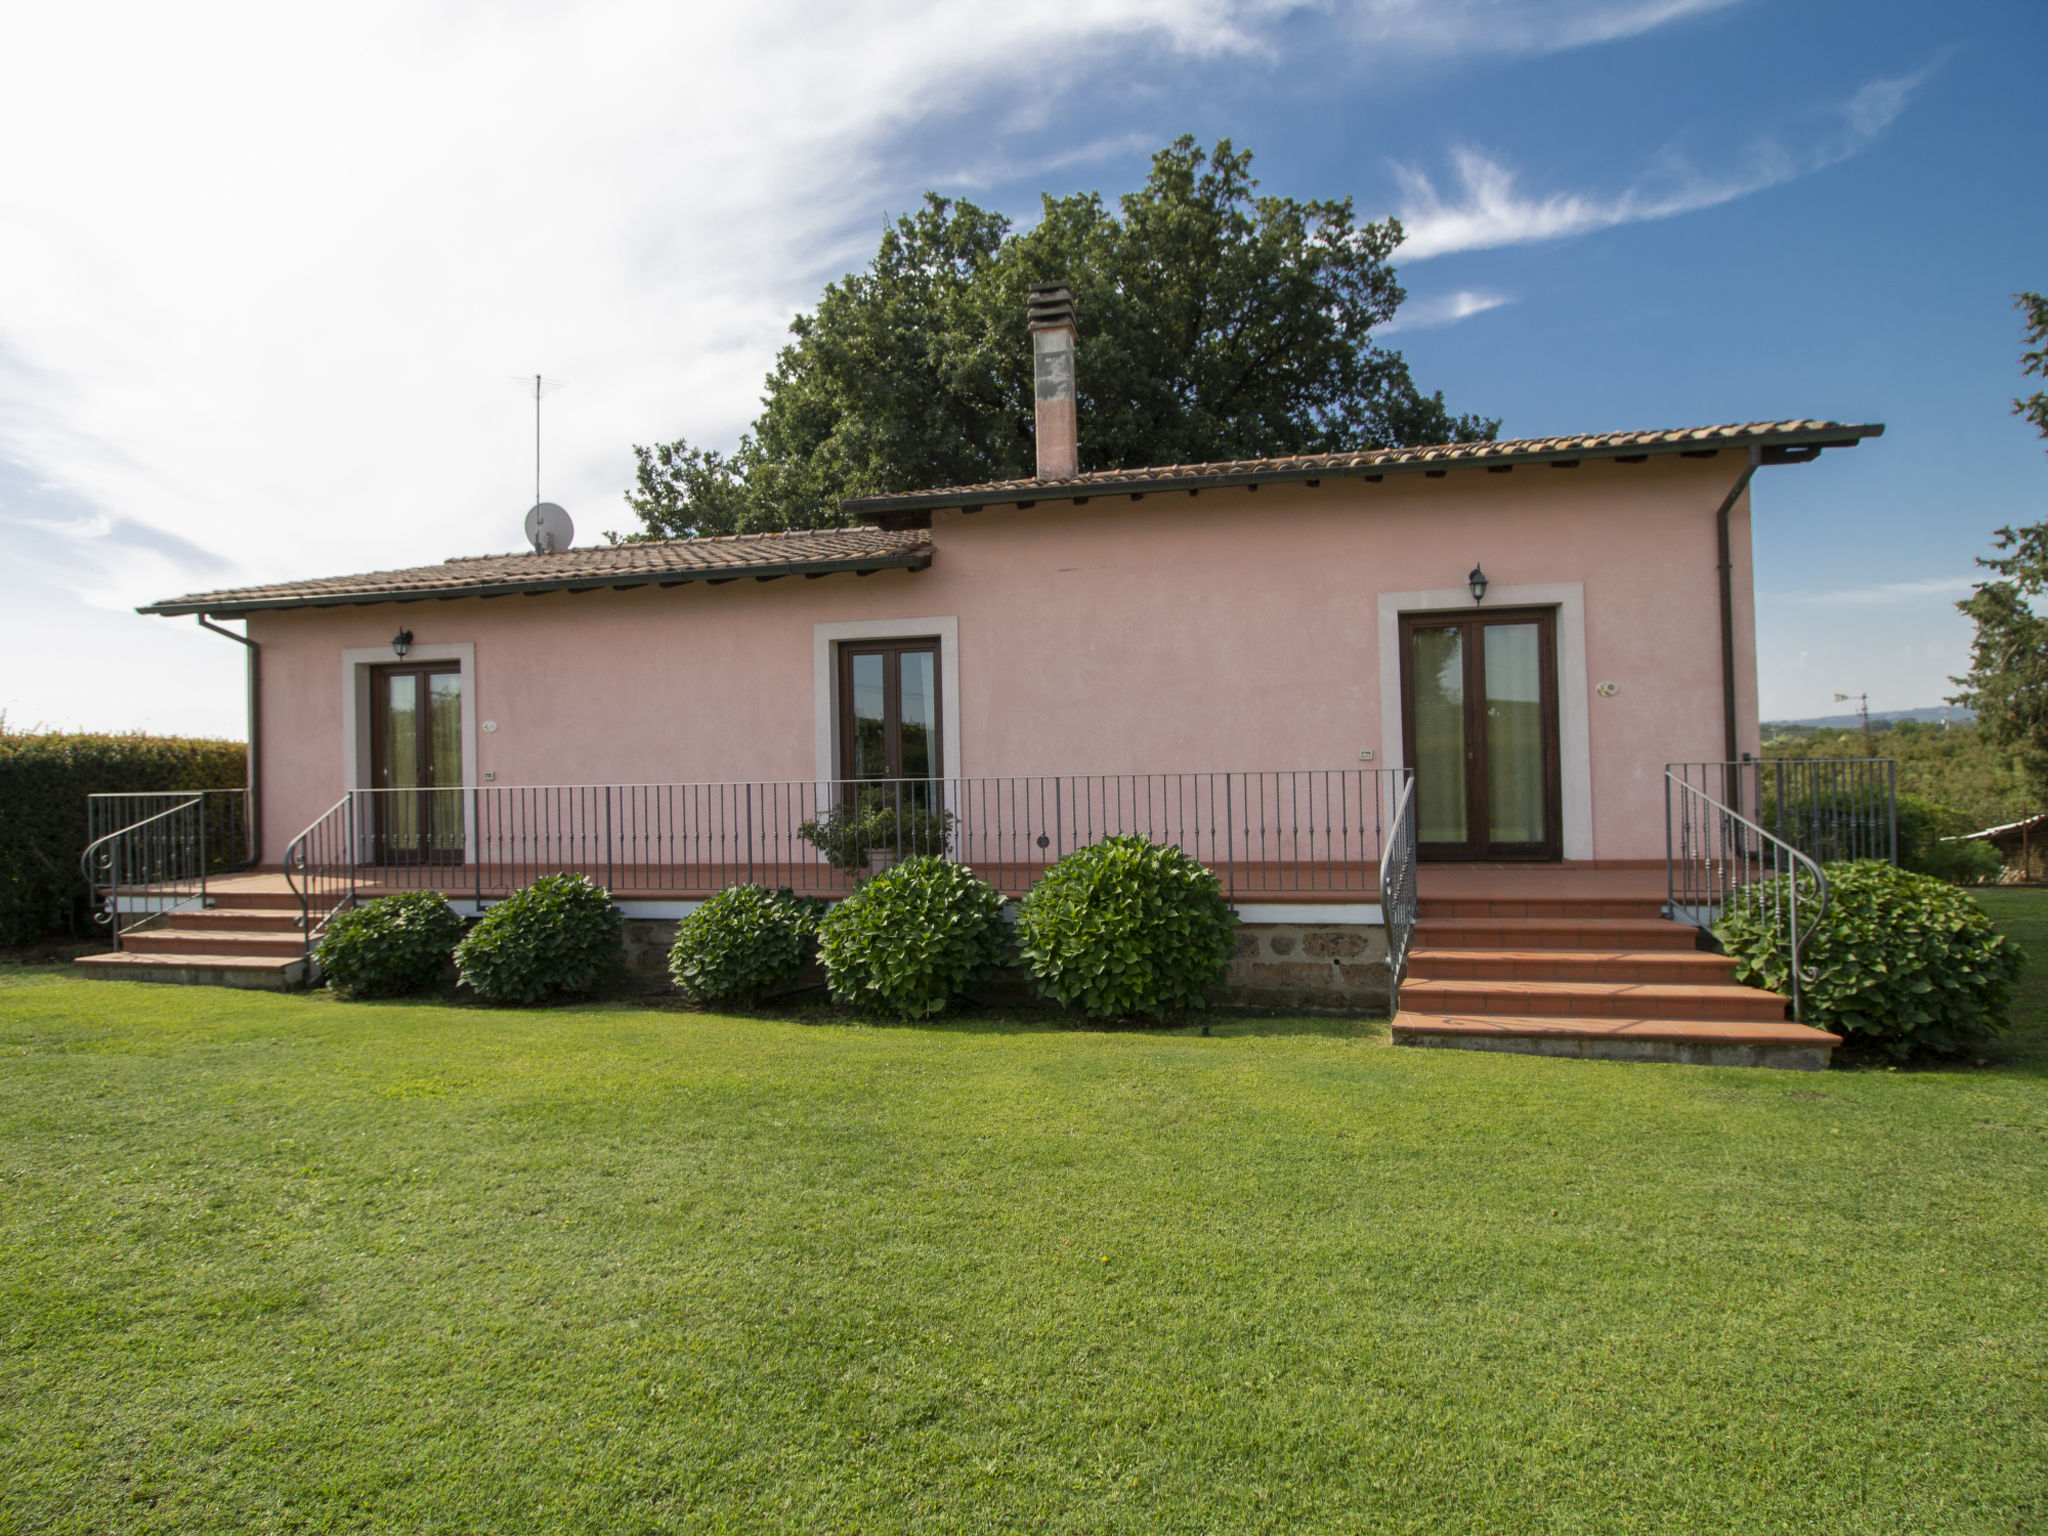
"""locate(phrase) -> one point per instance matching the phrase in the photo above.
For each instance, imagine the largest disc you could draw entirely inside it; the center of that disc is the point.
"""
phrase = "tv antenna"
(1862, 703)
(547, 526)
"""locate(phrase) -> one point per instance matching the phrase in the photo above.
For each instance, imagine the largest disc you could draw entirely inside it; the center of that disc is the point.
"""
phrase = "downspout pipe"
(1731, 737)
(255, 720)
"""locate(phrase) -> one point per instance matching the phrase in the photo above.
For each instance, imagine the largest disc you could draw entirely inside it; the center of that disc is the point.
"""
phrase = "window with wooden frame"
(889, 710)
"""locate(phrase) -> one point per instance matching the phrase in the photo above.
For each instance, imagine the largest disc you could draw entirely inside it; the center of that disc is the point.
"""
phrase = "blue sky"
(270, 276)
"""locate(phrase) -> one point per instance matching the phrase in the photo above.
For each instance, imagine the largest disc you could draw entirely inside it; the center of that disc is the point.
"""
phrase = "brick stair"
(1595, 975)
(255, 943)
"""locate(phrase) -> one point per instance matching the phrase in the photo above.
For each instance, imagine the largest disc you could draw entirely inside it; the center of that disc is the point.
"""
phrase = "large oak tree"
(1216, 323)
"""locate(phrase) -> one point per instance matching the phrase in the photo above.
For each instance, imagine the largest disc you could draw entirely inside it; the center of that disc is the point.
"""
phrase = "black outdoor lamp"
(402, 642)
(1476, 581)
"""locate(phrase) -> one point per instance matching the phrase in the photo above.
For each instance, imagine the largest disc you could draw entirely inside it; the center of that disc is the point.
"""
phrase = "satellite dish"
(548, 528)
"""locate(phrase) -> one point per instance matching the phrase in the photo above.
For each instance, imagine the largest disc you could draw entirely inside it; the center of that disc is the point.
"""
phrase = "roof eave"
(927, 501)
(228, 607)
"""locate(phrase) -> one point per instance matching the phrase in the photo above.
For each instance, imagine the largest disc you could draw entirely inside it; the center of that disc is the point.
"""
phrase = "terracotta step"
(242, 899)
(1610, 933)
(180, 941)
(1705, 1042)
(1637, 907)
(256, 972)
(1594, 1000)
(1643, 965)
(221, 919)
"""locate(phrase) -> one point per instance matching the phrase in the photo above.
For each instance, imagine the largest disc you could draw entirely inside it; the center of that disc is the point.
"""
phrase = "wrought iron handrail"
(324, 855)
(162, 858)
(1398, 903)
(1713, 853)
(230, 842)
(1829, 808)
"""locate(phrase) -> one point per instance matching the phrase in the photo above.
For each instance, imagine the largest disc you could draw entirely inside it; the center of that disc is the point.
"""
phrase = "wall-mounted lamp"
(1477, 582)
(401, 643)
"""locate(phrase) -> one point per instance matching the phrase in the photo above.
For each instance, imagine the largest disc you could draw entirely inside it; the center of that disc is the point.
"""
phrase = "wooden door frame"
(892, 700)
(380, 699)
(1478, 848)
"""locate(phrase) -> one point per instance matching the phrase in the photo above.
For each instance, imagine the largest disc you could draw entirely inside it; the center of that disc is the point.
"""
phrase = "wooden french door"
(416, 760)
(1479, 721)
(889, 710)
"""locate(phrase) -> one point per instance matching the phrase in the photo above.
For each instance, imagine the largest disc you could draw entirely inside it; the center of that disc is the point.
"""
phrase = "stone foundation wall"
(1292, 965)
(648, 941)
(1277, 965)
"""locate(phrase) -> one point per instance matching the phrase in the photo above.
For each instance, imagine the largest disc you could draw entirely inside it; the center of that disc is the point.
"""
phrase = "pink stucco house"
(1255, 659)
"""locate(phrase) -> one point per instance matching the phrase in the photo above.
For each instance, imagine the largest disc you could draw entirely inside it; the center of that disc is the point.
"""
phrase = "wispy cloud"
(1880, 593)
(1428, 313)
(1513, 26)
(1489, 209)
(281, 259)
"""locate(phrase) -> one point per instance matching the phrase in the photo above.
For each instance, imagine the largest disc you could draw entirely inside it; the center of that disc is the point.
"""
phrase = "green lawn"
(283, 1263)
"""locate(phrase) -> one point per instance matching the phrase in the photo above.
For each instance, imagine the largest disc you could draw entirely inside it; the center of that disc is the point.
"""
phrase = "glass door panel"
(397, 821)
(1514, 734)
(416, 764)
(919, 714)
(889, 711)
(1439, 705)
(867, 702)
(444, 763)
(1479, 718)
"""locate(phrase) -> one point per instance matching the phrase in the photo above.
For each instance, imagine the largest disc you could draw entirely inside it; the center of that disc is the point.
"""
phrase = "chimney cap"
(1051, 306)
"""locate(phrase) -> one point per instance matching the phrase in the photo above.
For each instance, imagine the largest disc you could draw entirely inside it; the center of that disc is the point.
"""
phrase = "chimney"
(1052, 357)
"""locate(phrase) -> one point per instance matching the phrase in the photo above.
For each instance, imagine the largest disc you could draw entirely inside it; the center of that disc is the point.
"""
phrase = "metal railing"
(320, 867)
(1828, 808)
(1398, 904)
(1271, 833)
(230, 836)
(149, 865)
(1714, 856)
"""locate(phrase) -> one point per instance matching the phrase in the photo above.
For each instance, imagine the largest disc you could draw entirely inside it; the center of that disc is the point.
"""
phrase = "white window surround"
(356, 662)
(825, 683)
(1574, 726)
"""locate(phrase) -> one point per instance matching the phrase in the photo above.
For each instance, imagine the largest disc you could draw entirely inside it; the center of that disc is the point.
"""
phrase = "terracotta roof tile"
(1784, 434)
(664, 562)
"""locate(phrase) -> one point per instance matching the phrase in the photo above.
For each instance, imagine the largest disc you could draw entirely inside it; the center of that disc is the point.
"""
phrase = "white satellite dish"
(548, 528)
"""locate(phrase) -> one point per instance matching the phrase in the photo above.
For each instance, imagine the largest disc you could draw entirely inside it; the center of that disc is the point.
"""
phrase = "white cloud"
(1950, 587)
(1901, 640)
(1442, 309)
(1514, 26)
(1488, 209)
(269, 267)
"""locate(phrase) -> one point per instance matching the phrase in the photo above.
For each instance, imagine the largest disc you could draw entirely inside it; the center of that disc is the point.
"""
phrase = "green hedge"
(44, 780)
(1931, 843)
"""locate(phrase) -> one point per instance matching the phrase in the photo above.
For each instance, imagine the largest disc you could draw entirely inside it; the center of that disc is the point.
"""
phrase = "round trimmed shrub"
(743, 943)
(390, 946)
(1901, 961)
(912, 937)
(559, 935)
(1127, 929)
